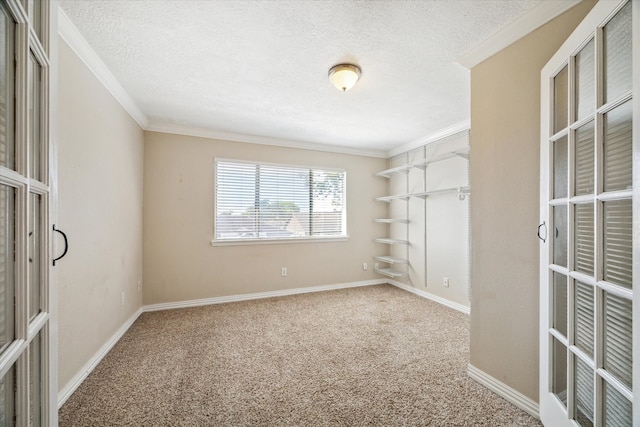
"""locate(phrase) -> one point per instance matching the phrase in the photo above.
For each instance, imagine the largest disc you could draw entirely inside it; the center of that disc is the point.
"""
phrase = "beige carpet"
(375, 356)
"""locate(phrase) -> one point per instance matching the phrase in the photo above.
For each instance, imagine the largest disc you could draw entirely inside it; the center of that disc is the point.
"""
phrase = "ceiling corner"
(180, 129)
(544, 12)
(444, 133)
(72, 37)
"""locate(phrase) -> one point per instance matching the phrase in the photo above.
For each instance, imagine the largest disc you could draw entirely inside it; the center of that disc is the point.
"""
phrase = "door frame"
(51, 379)
(40, 43)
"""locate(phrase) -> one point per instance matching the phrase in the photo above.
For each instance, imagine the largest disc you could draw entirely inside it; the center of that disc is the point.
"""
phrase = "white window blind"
(256, 201)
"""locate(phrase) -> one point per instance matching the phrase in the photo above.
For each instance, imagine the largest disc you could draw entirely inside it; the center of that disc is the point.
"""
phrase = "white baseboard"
(448, 303)
(504, 391)
(75, 382)
(259, 295)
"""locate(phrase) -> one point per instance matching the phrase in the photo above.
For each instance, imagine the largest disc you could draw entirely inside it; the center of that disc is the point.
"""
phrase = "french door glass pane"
(618, 337)
(585, 82)
(7, 232)
(35, 15)
(560, 303)
(560, 235)
(34, 255)
(584, 159)
(560, 90)
(560, 165)
(583, 392)
(617, 148)
(24, 76)
(559, 371)
(7, 31)
(617, 409)
(584, 242)
(7, 400)
(617, 54)
(583, 322)
(35, 82)
(618, 242)
(35, 382)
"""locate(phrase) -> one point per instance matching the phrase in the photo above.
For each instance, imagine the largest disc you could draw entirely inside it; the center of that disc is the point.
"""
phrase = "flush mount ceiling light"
(344, 76)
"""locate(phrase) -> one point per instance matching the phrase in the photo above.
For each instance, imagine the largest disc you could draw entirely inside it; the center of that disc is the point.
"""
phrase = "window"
(255, 201)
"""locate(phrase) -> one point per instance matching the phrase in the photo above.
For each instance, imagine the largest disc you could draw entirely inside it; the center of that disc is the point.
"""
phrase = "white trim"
(444, 133)
(551, 410)
(241, 242)
(635, 321)
(70, 34)
(258, 295)
(51, 407)
(539, 15)
(75, 382)
(179, 129)
(501, 389)
(91, 364)
(447, 303)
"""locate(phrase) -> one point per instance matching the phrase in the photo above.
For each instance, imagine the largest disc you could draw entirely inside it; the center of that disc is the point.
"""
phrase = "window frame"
(344, 236)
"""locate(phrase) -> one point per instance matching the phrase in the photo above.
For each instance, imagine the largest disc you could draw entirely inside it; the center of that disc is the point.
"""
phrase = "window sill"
(241, 242)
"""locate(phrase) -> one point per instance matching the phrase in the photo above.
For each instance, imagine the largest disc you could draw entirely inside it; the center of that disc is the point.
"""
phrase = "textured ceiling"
(260, 67)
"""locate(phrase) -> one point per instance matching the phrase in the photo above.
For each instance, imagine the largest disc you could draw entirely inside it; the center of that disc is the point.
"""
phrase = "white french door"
(26, 397)
(590, 223)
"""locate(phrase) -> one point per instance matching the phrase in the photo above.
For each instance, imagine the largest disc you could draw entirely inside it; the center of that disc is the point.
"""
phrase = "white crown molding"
(70, 34)
(539, 15)
(444, 133)
(424, 294)
(501, 389)
(178, 129)
(88, 367)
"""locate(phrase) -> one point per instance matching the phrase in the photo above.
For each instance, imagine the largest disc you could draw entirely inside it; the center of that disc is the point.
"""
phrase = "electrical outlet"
(139, 285)
(283, 272)
(122, 296)
(445, 282)
(376, 266)
(365, 267)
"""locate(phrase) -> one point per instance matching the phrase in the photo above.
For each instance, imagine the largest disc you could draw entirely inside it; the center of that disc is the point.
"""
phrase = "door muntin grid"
(591, 217)
(25, 345)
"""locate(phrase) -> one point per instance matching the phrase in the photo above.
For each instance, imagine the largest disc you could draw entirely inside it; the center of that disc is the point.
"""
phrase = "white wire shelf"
(464, 153)
(460, 191)
(390, 259)
(391, 241)
(390, 273)
(391, 220)
(388, 173)
(389, 199)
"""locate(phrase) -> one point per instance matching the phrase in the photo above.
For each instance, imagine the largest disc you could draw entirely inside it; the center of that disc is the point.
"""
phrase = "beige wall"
(179, 261)
(100, 164)
(505, 122)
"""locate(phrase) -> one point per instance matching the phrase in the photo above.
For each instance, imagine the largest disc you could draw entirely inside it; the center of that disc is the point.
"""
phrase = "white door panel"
(589, 224)
(26, 337)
